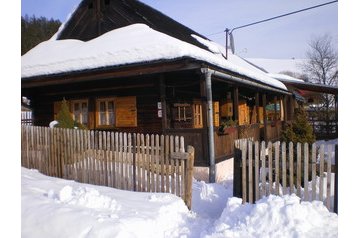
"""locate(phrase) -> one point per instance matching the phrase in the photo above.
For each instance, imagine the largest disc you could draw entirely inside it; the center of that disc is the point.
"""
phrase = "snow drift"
(53, 207)
(275, 216)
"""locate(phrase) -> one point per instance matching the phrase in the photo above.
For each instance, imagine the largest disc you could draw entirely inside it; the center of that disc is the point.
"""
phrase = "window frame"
(106, 111)
(80, 102)
(182, 110)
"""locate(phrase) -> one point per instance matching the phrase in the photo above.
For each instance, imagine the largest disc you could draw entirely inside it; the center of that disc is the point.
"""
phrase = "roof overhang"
(120, 71)
(141, 69)
(312, 87)
(243, 80)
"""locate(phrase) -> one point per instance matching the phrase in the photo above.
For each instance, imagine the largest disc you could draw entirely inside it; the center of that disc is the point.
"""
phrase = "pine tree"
(35, 30)
(300, 130)
(64, 117)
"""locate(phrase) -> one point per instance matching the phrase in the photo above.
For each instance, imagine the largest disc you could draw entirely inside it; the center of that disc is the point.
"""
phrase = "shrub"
(300, 130)
(65, 119)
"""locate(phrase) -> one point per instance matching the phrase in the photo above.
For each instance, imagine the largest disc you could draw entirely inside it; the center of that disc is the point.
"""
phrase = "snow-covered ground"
(52, 207)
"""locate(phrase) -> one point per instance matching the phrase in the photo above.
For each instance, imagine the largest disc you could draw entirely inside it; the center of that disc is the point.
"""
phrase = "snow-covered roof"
(279, 65)
(284, 77)
(136, 43)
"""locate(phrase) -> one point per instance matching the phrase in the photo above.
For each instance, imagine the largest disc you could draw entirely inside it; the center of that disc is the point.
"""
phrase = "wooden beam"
(91, 113)
(257, 105)
(98, 16)
(236, 104)
(109, 73)
(205, 120)
(285, 109)
(265, 116)
(100, 89)
(164, 103)
(275, 103)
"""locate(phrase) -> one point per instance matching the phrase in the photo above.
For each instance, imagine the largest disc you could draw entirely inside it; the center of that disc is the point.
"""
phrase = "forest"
(35, 30)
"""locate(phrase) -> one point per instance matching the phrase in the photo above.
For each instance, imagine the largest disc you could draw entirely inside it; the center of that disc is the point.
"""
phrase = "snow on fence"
(135, 162)
(279, 168)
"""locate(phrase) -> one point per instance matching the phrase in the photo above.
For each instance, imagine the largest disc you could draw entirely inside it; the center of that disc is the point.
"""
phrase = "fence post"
(335, 205)
(189, 176)
(237, 188)
(134, 162)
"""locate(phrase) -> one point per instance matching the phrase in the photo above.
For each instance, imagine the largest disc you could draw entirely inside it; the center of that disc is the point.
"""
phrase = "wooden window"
(126, 111)
(182, 115)
(270, 112)
(198, 115)
(105, 113)
(80, 111)
(182, 112)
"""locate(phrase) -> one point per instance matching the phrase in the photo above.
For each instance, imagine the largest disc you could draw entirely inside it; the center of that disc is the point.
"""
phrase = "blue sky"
(282, 38)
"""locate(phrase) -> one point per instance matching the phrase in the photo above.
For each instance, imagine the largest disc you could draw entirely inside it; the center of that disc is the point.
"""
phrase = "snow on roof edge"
(142, 44)
(284, 77)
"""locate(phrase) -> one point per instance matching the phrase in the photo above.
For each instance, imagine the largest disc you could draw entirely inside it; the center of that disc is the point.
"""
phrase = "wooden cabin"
(124, 66)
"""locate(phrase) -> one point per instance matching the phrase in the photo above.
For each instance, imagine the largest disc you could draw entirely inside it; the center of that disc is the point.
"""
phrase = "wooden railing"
(135, 162)
(262, 169)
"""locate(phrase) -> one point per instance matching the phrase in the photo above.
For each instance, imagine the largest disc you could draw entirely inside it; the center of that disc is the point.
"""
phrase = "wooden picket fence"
(262, 169)
(135, 162)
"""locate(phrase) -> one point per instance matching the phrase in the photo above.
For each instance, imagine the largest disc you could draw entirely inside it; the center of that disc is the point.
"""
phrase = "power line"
(287, 14)
(229, 31)
(272, 18)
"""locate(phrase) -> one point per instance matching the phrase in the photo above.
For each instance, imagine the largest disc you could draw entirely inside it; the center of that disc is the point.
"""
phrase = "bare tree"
(322, 68)
(322, 61)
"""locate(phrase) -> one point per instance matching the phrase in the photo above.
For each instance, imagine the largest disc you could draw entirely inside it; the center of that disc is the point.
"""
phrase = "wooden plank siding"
(148, 90)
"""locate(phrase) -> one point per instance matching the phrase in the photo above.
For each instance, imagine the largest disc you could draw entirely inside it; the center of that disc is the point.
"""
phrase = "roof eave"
(142, 68)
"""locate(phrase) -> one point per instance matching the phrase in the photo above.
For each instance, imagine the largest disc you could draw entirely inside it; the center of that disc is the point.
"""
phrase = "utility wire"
(287, 14)
(272, 18)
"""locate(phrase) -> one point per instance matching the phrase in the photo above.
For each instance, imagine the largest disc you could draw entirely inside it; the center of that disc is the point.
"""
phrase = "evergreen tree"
(300, 130)
(64, 117)
(36, 30)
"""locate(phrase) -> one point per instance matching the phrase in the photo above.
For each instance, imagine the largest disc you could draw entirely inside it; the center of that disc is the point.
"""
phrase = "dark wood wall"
(170, 88)
(146, 90)
(182, 86)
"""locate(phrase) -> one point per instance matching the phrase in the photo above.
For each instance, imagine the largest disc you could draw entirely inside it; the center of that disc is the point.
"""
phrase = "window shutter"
(216, 112)
(243, 113)
(56, 109)
(126, 111)
(261, 115)
(198, 114)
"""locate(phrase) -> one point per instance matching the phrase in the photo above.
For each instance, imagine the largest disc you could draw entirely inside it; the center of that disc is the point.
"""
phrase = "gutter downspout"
(209, 98)
(247, 82)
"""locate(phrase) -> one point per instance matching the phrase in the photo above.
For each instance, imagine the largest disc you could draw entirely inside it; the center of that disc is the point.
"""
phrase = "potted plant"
(227, 126)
